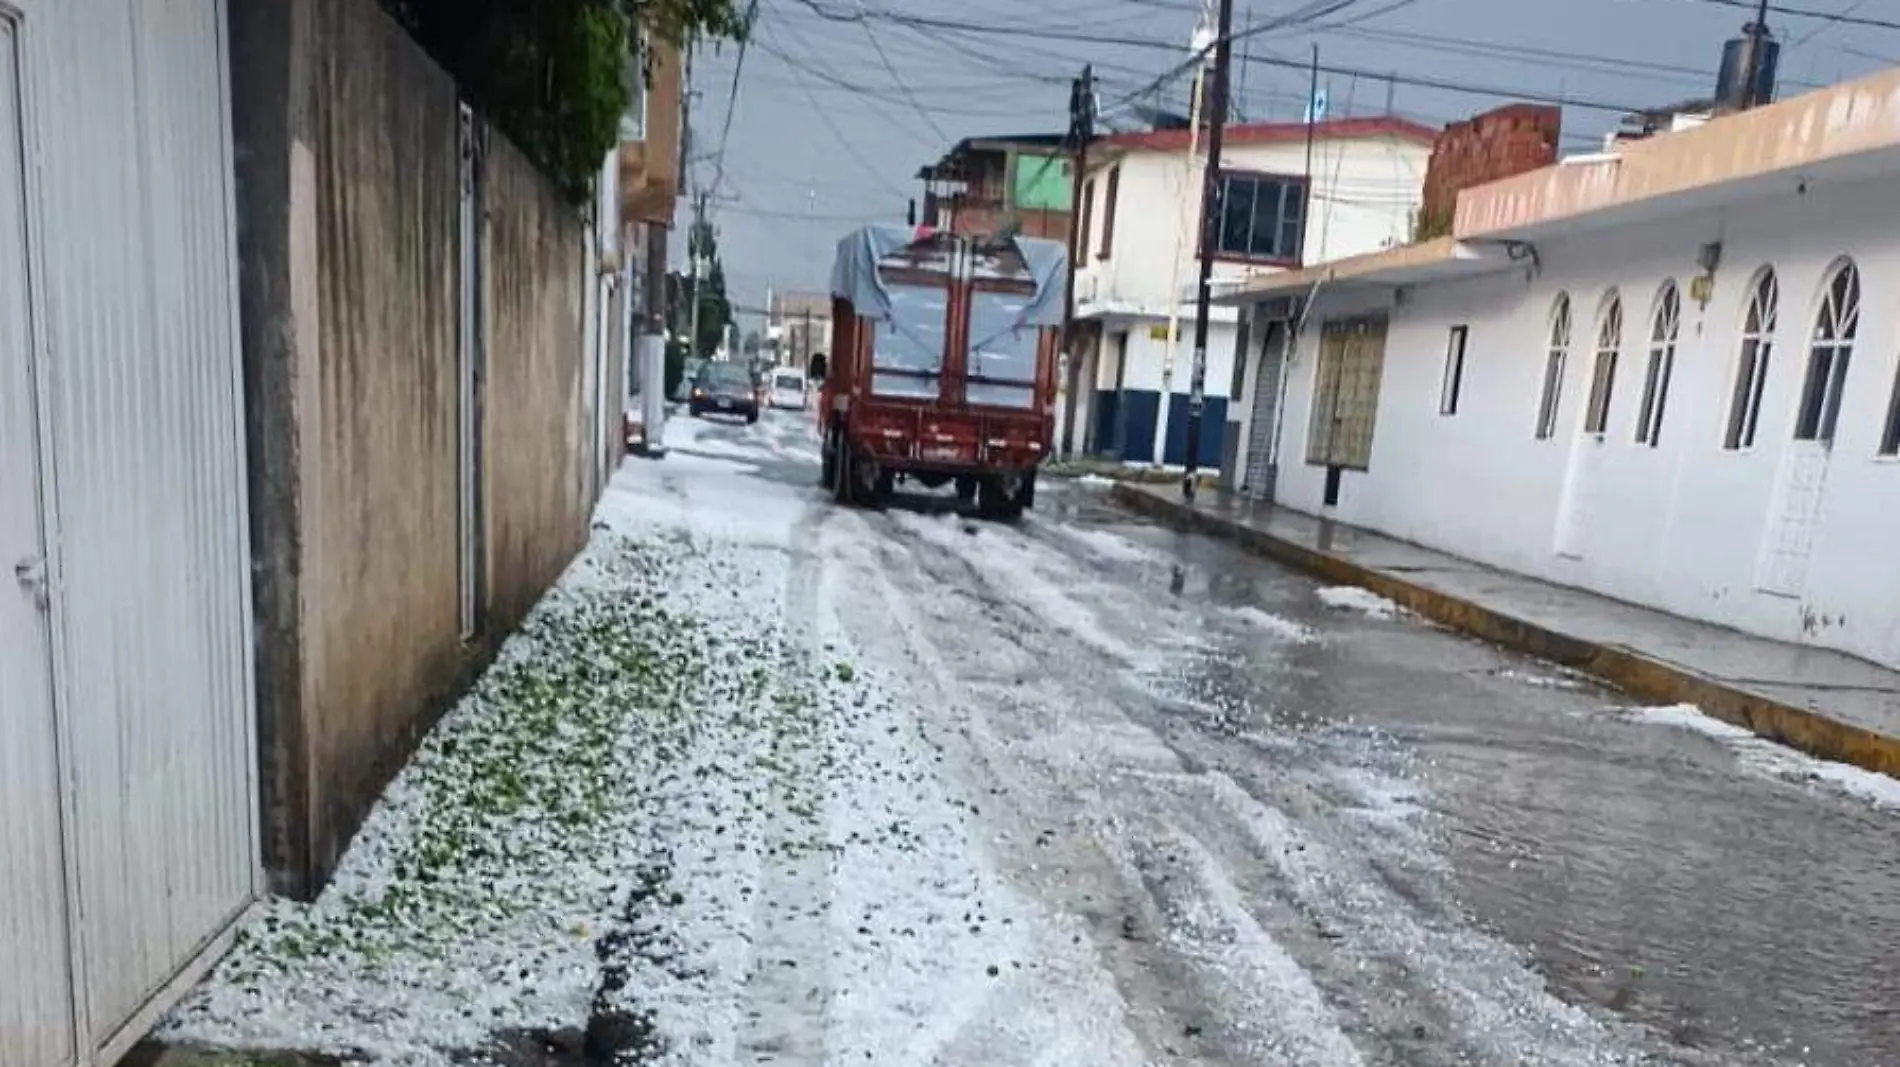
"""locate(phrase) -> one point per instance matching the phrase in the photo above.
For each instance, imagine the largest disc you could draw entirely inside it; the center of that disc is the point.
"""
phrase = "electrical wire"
(1837, 17)
(1825, 26)
(902, 86)
(1320, 9)
(844, 142)
(732, 102)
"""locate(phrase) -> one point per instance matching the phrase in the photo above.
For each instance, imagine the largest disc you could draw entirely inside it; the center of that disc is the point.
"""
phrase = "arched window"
(1596, 414)
(1555, 353)
(1835, 325)
(1665, 322)
(1751, 375)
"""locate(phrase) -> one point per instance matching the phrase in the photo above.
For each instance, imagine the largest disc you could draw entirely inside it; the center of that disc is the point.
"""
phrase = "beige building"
(800, 323)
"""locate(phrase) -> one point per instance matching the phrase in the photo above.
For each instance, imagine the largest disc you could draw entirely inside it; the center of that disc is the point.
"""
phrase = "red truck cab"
(943, 365)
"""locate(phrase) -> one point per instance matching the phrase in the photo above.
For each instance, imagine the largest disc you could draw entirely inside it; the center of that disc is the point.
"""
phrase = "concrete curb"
(1636, 674)
(1132, 476)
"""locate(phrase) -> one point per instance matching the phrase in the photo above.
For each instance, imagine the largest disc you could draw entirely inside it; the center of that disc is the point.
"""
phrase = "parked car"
(725, 388)
(788, 388)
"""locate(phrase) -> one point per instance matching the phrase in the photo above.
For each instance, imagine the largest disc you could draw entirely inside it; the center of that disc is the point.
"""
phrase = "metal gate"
(128, 842)
(1263, 423)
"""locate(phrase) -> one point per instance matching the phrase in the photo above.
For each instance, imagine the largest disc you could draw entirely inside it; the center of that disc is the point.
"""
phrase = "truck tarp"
(854, 273)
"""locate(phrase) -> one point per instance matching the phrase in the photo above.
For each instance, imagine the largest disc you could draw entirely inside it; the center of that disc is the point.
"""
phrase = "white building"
(1666, 374)
(1138, 239)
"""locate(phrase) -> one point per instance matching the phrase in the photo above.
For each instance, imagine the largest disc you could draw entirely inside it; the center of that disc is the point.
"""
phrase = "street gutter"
(1636, 673)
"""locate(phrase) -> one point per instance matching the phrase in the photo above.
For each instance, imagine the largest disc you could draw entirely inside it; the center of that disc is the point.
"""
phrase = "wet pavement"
(1838, 686)
(1299, 828)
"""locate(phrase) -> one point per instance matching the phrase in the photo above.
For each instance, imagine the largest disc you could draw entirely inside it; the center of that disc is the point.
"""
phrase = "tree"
(553, 74)
(753, 342)
(715, 311)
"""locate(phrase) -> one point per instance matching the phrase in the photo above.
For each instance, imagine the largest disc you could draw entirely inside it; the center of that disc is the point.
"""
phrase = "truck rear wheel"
(855, 480)
(840, 470)
(1002, 497)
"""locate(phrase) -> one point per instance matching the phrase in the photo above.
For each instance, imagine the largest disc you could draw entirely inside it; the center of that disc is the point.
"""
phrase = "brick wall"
(1497, 144)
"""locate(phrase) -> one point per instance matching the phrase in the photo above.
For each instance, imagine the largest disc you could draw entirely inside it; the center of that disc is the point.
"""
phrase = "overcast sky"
(833, 118)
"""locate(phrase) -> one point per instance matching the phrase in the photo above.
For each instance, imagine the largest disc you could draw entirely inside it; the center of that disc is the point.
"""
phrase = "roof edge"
(1280, 132)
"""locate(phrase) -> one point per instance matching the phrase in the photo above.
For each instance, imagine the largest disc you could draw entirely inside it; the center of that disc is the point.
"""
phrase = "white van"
(788, 388)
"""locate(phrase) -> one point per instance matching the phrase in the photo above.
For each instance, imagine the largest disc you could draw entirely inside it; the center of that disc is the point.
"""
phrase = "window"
(1454, 370)
(1665, 323)
(1108, 213)
(1554, 356)
(1834, 328)
(1890, 433)
(1261, 217)
(1758, 342)
(1086, 223)
(1596, 412)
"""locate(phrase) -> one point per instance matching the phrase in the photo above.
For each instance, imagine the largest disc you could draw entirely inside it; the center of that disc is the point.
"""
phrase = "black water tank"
(1733, 87)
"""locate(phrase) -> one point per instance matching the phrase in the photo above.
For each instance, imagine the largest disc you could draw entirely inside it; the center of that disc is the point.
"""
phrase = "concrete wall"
(380, 625)
(348, 177)
(535, 430)
(1680, 526)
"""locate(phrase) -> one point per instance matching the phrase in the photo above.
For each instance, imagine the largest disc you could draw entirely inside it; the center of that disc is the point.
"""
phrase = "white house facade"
(1669, 374)
(1353, 187)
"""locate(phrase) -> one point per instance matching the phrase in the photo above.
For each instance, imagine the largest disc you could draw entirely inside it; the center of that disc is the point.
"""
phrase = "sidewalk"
(1116, 471)
(1822, 702)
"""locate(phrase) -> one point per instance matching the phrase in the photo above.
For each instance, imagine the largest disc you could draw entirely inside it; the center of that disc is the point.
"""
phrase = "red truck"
(943, 365)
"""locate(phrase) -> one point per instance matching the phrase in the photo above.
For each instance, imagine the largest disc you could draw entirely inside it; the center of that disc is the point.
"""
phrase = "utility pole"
(696, 254)
(1757, 41)
(1246, 60)
(1210, 234)
(1197, 115)
(1081, 132)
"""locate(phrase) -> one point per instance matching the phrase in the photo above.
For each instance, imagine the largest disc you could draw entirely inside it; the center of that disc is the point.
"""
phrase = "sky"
(820, 123)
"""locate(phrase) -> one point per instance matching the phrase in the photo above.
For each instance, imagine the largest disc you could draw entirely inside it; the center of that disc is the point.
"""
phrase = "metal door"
(1346, 394)
(36, 1002)
(143, 494)
(1263, 425)
(1788, 543)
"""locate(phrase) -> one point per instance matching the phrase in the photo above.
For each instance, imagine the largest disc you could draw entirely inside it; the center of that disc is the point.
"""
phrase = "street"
(1076, 791)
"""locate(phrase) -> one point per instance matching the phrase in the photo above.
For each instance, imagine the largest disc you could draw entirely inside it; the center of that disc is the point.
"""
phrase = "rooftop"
(945, 168)
(1831, 136)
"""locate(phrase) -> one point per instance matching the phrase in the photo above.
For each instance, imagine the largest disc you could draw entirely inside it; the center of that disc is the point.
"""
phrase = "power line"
(1823, 28)
(1593, 63)
(902, 86)
(1312, 10)
(873, 98)
(732, 100)
(793, 216)
(1421, 81)
(1837, 17)
(843, 141)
